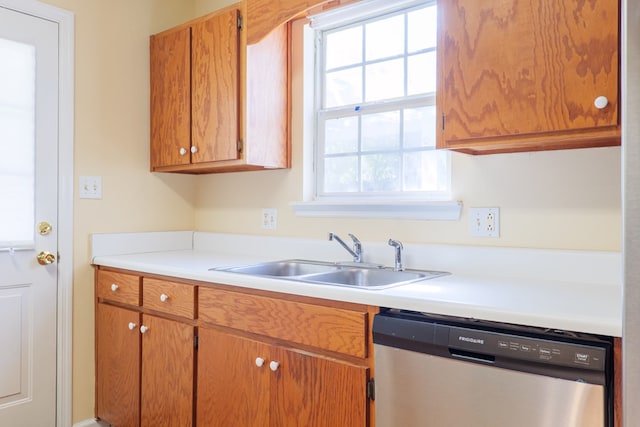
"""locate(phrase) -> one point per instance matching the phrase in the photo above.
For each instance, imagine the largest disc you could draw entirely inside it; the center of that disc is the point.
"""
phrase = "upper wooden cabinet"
(524, 76)
(209, 89)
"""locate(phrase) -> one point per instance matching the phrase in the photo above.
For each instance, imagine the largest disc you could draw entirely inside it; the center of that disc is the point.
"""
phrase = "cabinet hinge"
(195, 342)
(239, 22)
(240, 146)
(443, 123)
(371, 389)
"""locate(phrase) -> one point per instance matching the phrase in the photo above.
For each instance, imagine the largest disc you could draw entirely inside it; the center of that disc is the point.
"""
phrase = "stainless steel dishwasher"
(436, 371)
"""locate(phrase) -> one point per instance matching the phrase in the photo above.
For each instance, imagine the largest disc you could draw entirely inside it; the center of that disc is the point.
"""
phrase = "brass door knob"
(46, 258)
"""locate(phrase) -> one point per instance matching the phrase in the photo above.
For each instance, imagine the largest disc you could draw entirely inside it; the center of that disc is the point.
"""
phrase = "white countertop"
(568, 290)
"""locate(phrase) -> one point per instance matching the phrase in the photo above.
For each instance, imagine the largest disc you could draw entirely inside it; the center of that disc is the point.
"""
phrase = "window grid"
(364, 108)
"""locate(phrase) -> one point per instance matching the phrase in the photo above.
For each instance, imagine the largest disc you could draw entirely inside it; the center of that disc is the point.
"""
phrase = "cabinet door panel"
(170, 98)
(511, 69)
(232, 389)
(117, 366)
(215, 76)
(167, 373)
(313, 391)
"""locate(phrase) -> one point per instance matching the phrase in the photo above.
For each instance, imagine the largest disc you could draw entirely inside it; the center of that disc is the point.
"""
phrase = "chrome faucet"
(356, 252)
(397, 265)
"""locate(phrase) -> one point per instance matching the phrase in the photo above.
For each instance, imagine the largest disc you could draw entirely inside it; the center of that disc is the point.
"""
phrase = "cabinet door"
(117, 365)
(513, 71)
(170, 98)
(232, 389)
(167, 373)
(215, 79)
(314, 391)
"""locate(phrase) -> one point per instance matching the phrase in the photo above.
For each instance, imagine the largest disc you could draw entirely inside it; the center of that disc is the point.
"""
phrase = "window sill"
(440, 211)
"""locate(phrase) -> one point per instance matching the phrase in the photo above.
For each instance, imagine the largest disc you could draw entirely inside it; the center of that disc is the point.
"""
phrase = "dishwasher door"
(418, 389)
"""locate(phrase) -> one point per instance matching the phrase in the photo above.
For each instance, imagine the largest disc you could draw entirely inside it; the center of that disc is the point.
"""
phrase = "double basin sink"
(340, 274)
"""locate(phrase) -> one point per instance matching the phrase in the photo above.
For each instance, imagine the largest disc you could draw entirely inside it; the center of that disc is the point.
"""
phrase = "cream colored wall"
(112, 140)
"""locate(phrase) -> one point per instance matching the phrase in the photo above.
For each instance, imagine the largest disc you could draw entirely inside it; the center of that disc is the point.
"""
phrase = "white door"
(28, 197)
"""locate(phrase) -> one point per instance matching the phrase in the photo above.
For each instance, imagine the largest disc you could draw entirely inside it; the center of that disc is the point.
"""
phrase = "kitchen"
(566, 199)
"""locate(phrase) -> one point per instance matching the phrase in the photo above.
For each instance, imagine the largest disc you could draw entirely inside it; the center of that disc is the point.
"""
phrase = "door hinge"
(195, 342)
(239, 22)
(371, 389)
(240, 146)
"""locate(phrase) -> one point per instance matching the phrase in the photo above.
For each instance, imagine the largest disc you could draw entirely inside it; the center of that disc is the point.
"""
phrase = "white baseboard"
(90, 423)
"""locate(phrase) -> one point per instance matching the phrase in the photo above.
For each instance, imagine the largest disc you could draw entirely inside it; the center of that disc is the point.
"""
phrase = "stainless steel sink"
(365, 276)
(376, 278)
(286, 268)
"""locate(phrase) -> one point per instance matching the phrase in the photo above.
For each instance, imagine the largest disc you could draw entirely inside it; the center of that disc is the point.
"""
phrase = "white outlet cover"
(269, 219)
(484, 222)
(90, 187)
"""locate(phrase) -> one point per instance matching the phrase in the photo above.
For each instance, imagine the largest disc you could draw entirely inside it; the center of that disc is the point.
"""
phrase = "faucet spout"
(356, 252)
(397, 265)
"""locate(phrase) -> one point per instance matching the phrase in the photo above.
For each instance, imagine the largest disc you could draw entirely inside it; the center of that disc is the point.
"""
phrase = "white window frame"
(407, 205)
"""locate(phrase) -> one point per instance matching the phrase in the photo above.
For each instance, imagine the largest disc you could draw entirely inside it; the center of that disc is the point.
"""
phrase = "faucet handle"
(397, 265)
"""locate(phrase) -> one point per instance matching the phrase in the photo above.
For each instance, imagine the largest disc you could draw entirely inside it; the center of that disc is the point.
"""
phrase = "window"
(375, 103)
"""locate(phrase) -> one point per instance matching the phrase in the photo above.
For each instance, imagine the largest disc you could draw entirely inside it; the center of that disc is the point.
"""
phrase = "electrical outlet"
(269, 218)
(90, 187)
(484, 222)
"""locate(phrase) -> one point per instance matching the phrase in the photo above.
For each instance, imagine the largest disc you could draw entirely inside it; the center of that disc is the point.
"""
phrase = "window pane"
(385, 80)
(17, 130)
(381, 131)
(341, 135)
(421, 73)
(420, 127)
(344, 87)
(385, 38)
(344, 48)
(381, 173)
(426, 171)
(341, 174)
(422, 29)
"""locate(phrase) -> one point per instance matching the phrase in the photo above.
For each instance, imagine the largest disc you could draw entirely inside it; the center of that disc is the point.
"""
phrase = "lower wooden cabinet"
(172, 353)
(167, 373)
(244, 382)
(117, 365)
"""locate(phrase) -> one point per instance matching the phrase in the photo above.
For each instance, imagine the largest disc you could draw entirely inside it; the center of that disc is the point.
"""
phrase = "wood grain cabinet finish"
(275, 382)
(524, 76)
(167, 380)
(247, 383)
(117, 365)
(217, 104)
(144, 362)
(119, 287)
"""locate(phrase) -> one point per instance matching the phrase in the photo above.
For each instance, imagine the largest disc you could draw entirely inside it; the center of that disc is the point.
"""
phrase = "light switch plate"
(90, 187)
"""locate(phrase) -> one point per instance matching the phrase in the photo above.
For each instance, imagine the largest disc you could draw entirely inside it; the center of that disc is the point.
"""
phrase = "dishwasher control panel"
(525, 348)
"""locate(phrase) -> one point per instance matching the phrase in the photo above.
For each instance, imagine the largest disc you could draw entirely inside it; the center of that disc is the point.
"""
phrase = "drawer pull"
(259, 362)
(164, 297)
(132, 326)
(274, 365)
(143, 329)
(114, 287)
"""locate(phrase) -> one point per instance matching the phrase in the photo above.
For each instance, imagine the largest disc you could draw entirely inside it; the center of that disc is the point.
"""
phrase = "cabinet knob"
(274, 365)
(114, 287)
(183, 151)
(601, 102)
(259, 362)
(132, 326)
(164, 297)
(194, 149)
(143, 329)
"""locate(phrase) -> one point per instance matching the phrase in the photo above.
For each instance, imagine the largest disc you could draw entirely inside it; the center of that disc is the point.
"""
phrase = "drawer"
(333, 329)
(169, 297)
(118, 287)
